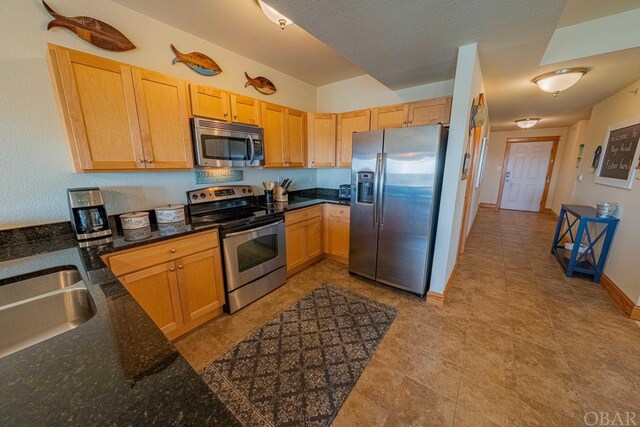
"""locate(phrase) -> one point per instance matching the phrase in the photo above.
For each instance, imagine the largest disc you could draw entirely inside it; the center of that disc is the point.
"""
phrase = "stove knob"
(194, 196)
(203, 195)
(244, 190)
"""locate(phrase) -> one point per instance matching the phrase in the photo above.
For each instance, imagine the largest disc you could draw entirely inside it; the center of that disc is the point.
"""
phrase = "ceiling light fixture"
(559, 80)
(527, 123)
(273, 15)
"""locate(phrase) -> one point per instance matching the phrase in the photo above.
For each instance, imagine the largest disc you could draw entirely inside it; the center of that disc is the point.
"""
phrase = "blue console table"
(577, 219)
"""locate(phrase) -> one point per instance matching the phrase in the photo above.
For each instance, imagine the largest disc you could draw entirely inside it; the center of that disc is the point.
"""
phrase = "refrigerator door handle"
(376, 177)
(383, 171)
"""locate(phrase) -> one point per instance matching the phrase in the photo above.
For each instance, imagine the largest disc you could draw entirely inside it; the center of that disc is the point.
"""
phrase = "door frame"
(473, 164)
(552, 159)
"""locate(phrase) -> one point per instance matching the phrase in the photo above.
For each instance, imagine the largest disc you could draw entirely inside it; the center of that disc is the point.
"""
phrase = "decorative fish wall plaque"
(261, 84)
(198, 62)
(91, 30)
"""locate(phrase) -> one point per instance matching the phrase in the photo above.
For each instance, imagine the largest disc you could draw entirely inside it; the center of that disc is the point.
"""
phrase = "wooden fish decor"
(261, 84)
(91, 30)
(198, 62)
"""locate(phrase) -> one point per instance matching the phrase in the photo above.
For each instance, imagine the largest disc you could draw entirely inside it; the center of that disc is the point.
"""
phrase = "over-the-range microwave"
(221, 144)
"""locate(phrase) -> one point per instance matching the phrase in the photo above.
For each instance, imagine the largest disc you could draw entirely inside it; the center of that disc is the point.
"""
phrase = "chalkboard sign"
(619, 158)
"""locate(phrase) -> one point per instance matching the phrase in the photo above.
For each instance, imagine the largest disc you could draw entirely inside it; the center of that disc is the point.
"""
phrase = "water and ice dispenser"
(365, 186)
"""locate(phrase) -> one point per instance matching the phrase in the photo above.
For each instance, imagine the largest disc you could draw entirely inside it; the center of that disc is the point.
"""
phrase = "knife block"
(280, 194)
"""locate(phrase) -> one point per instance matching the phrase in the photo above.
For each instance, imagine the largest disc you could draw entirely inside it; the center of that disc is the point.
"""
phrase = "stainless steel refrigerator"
(396, 180)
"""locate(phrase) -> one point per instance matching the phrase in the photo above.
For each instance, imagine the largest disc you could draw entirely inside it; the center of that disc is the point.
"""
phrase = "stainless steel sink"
(47, 306)
(39, 285)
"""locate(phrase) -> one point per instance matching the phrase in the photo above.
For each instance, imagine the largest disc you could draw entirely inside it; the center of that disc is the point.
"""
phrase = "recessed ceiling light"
(559, 80)
(274, 16)
(527, 123)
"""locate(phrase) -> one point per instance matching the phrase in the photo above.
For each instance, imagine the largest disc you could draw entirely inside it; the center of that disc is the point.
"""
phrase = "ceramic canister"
(134, 220)
(169, 213)
(170, 228)
(132, 235)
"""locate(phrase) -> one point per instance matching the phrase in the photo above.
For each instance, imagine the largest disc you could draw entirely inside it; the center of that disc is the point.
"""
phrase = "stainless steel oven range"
(253, 241)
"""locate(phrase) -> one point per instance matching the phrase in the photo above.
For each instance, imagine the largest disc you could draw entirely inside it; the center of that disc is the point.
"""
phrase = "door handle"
(253, 230)
(383, 170)
(252, 149)
(376, 177)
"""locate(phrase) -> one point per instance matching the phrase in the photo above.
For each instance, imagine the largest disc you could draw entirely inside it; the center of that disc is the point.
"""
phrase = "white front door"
(526, 175)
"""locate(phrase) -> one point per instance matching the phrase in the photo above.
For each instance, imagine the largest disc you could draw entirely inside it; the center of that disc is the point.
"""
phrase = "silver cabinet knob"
(172, 269)
(140, 161)
(173, 251)
(149, 161)
(226, 114)
(235, 116)
(180, 266)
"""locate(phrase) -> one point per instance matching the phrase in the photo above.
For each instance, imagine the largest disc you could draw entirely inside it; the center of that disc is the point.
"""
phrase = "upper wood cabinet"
(163, 113)
(429, 112)
(421, 113)
(322, 140)
(296, 132)
(216, 104)
(96, 97)
(120, 117)
(209, 102)
(285, 136)
(348, 123)
(391, 116)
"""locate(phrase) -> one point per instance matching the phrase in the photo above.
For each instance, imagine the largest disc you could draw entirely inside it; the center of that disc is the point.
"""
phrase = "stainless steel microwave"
(220, 144)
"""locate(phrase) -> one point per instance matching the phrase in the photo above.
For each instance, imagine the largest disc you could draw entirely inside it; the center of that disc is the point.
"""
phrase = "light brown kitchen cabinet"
(163, 114)
(178, 282)
(120, 117)
(244, 109)
(285, 136)
(337, 232)
(97, 101)
(421, 113)
(322, 140)
(296, 132)
(209, 102)
(348, 123)
(303, 238)
(429, 112)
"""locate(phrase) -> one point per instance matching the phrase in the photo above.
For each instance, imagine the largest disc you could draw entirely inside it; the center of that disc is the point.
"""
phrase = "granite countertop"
(116, 368)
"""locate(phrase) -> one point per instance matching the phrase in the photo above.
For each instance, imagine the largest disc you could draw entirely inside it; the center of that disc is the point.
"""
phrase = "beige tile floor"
(517, 342)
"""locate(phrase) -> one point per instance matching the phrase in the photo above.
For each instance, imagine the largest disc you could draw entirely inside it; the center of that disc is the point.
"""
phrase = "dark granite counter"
(116, 368)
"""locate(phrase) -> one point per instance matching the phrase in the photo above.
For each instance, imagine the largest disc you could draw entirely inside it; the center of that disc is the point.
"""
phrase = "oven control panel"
(216, 194)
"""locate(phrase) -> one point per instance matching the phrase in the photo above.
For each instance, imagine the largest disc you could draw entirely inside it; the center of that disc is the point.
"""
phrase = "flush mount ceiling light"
(527, 123)
(559, 80)
(274, 16)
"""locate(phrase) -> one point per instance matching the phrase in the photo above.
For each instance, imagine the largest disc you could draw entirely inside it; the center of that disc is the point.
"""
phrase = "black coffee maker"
(88, 213)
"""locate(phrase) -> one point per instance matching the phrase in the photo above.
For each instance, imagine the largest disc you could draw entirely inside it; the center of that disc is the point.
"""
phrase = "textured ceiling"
(405, 43)
(240, 26)
(578, 11)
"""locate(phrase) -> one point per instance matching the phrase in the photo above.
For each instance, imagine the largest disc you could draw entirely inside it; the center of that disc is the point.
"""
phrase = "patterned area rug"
(299, 368)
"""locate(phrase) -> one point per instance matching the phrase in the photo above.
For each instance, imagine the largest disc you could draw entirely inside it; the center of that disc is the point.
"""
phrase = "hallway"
(517, 342)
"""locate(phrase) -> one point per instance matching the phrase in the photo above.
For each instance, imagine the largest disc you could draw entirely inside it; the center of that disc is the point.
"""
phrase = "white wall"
(477, 192)
(36, 165)
(366, 92)
(622, 265)
(468, 85)
(567, 170)
(495, 157)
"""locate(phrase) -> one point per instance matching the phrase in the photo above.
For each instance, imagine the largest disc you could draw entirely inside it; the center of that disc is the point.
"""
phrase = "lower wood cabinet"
(179, 293)
(337, 232)
(304, 238)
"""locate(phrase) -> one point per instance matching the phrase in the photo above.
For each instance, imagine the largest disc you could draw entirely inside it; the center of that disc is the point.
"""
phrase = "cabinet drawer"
(336, 211)
(137, 259)
(303, 214)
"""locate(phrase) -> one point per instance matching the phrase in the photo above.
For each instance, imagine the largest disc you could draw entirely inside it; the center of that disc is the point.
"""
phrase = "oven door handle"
(253, 230)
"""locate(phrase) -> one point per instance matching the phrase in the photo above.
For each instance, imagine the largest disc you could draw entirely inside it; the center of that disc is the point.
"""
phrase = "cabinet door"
(430, 112)
(97, 99)
(322, 140)
(156, 290)
(276, 148)
(296, 132)
(163, 112)
(348, 123)
(313, 237)
(245, 110)
(296, 246)
(392, 116)
(339, 237)
(200, 283)
(209, 102)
